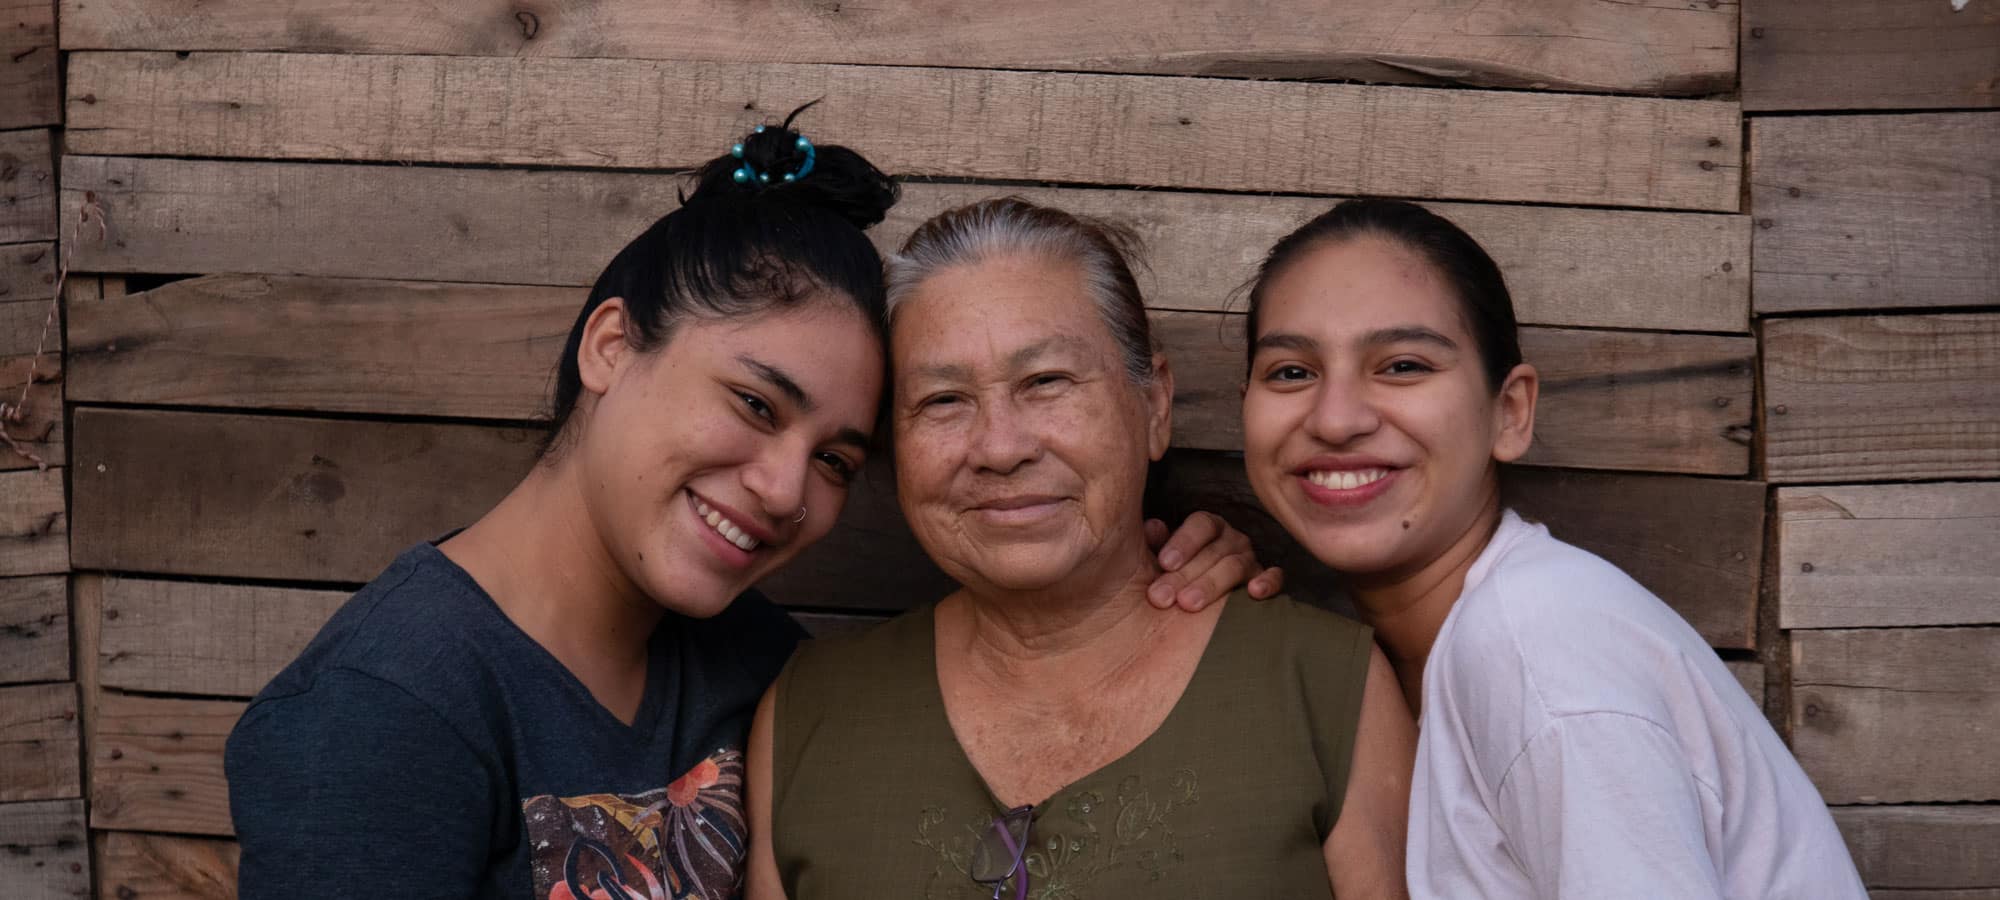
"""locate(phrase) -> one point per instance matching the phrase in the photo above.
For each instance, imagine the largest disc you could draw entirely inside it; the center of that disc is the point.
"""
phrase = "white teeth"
(1346, 479)
(729, 530)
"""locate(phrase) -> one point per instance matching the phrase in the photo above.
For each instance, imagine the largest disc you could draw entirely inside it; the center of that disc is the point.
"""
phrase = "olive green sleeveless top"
(1233, 796)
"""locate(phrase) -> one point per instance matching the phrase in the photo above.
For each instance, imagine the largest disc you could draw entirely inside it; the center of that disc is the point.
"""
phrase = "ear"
(1160, 408)
(606, 346)
(1514, 413)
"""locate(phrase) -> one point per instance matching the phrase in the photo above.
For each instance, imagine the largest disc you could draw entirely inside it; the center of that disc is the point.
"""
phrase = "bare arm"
(1364, 854)
(762, 882)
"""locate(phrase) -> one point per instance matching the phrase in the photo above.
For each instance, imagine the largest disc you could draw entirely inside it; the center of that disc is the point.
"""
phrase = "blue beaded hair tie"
(747, 173)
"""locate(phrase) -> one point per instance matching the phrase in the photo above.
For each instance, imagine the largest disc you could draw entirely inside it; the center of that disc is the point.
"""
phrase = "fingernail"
(1159, 595)
(1171, 560)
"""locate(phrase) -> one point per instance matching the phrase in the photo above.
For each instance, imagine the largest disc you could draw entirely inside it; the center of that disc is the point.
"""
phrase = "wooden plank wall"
(391, 215)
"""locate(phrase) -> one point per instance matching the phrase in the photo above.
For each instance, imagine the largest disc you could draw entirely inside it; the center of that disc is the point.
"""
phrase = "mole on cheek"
(1406, 525)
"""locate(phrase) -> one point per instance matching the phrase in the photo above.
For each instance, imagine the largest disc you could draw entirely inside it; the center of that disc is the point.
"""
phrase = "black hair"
(738, 246)
(1483, 301)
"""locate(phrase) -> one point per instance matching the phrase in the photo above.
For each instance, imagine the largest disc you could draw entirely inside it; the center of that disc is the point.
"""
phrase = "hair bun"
(830, 177)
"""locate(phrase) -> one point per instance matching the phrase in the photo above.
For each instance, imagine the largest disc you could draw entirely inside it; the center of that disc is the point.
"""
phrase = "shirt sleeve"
(1603, 805)
(354, 788)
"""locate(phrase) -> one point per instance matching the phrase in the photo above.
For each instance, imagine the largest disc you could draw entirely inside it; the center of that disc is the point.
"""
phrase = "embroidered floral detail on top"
(1070, 847)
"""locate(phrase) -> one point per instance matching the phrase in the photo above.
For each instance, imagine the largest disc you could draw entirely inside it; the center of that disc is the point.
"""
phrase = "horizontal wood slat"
(1931, 849)
(28, 272)
(969, 123)
(27, 187)
(1659, 402)
(1876, 212)
(156, 764)
(1882, 397)
(24, 327)
(1561, 44)
(44, 850)
(1868, 54)
(34, 526)
(29, 94)
(38, 743)
(166, 867)
(34, 629)
(216, 639)
(1565, 266)
(1878, 555)
(1897, 715)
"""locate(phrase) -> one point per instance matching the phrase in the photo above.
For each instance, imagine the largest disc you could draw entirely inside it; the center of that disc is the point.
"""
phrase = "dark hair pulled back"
(737, 248)
(1474, 280)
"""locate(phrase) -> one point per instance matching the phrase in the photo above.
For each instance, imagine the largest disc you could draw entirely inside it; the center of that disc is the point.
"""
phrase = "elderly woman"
(1044, 730)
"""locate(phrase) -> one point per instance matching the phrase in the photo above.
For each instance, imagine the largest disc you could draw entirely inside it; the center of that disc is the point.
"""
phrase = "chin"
(1352, 550)
(1029, 568)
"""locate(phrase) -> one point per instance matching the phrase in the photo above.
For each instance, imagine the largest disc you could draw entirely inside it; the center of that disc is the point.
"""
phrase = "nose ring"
(800, 517)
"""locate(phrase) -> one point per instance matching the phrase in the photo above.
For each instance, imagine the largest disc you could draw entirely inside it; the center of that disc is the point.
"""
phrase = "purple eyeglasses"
(1002, 852)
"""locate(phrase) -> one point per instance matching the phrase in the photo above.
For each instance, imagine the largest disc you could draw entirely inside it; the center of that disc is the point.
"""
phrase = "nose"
(777, 478)
(1001, 439)
(1342, 411)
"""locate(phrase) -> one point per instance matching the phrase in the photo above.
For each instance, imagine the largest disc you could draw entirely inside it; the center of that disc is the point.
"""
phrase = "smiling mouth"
(720, 523)
(1346, 479)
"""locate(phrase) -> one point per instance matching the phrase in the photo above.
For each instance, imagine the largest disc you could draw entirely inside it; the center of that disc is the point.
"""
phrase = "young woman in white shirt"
(1577, 738)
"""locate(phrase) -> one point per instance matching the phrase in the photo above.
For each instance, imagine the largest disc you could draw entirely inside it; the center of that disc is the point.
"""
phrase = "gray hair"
(1009, 225)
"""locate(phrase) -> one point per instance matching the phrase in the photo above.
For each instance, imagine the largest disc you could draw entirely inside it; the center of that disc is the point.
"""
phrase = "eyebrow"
(1409, 333)
(1021, 358)
(1285, 340)
(778, 379)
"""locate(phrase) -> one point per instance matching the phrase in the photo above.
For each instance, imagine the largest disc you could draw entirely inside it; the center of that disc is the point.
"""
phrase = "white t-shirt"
(1579, 740)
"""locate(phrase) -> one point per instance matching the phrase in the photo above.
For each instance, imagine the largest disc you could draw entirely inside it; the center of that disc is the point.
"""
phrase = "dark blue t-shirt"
(424, 746)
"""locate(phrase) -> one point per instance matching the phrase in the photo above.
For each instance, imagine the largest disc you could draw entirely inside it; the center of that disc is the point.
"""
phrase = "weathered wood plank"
(1882, 397)
(28, 92)
(34, 528)
(1904, 554)
(1661, 402)
(33, 382)
(1145, 130)
(27, 187)
(1874, 212)
(156, 764)
(38, 743)
(44, 850)
(1924, 848)
(1750, 674)
(305, 499)
(1565, 266)
(1868, 54)
(34, 629)
(1560, 44)
(216, 639)
(166, 867)
(28, 272)
(1897, 715)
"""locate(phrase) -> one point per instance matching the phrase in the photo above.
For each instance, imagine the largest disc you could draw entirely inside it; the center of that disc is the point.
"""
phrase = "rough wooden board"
(1927, 848)
(156, 764)
(1560, 44)
(1664, 402)
(1869, 54)
(38, 743)
(34, 529)
(1877, 555)
(34, 629)
(166, 867)
(24, 326)
(1750, 674)
(203, 494)
(216, 639)
(27, 187)
(1696, 542)
(1565, 266)
(1899, 715)
(969, 123)
(1876, 212)
(46, 850)
(28, 92)
(1882, 397)
(87, 621)
(27, 272)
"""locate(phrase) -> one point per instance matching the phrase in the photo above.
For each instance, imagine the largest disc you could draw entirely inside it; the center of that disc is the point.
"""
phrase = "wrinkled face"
(1369, 428)
(697, 456)
(1021, 444)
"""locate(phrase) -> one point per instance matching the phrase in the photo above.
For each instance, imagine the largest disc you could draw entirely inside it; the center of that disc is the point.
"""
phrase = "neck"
(540, 556)
(1082, 632)
(1408, 607)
